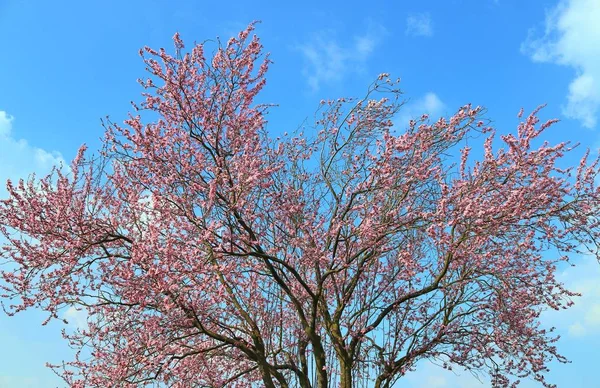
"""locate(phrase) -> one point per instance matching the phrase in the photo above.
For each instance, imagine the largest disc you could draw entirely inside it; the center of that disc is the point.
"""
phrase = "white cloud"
(430, 375)
(577, 330)
(419, 24)
(76, 318)
(20, 382)
(364, 45)
(429, 104)
(18, 158)
(326, 60)
(592, 316)
(571, 36)
(5, 123)
(583, 319)
(436, 381)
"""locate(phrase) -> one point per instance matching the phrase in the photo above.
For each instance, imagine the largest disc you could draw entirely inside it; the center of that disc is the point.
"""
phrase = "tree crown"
(206, 253)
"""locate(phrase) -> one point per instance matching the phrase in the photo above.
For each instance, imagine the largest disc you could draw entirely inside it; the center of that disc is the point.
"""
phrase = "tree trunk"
(319, 354)
(266, 375)
(346, 373)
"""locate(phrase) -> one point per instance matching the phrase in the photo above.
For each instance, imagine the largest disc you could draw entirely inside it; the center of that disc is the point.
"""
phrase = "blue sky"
(66, 64)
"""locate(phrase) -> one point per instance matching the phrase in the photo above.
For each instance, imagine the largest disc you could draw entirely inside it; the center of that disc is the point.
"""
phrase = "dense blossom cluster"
(208, 254)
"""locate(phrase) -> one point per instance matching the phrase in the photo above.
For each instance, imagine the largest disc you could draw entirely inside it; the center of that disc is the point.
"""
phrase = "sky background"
(64, 65)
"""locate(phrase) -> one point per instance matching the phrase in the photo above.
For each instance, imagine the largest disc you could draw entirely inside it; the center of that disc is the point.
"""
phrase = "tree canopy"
(208, 253)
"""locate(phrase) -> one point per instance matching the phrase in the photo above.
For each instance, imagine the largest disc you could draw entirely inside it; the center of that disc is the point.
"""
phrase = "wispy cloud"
(18, 158)
(419, 24)
(20, 381)
(429, 104)
(5, 124)
(570, 38)
(77, 318)
(327, 60)
(584, 317)
(577, 330)
(430, 375)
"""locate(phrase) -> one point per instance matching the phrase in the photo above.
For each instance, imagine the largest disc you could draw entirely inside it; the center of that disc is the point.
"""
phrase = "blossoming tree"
(207, 253)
